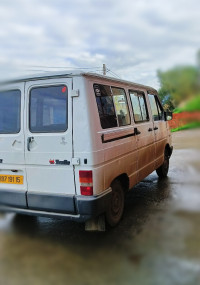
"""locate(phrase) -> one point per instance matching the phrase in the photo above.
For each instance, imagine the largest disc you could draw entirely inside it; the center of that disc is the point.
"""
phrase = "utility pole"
(198, 67)
(198, 59)
(104, 69)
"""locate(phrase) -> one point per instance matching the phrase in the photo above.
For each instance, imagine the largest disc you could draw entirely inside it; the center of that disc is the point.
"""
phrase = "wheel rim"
(116, 205)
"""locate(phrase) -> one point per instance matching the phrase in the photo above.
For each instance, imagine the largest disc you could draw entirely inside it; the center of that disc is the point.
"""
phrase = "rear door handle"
(156, 128)
(29, 140)
(150, 130)
(136, 132)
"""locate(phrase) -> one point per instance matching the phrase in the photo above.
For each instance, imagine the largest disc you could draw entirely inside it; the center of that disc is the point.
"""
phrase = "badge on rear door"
(59, 162)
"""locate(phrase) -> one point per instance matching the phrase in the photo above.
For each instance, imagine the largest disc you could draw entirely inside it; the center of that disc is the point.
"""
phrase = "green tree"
(178, 85)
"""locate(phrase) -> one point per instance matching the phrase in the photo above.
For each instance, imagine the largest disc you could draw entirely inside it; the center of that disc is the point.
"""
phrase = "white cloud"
(134, 38)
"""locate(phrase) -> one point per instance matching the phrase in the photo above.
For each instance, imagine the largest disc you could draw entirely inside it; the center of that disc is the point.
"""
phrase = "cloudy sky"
(134, 38)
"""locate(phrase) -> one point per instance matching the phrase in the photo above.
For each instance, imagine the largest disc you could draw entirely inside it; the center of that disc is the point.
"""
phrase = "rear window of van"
(10, 109)
(48, 109)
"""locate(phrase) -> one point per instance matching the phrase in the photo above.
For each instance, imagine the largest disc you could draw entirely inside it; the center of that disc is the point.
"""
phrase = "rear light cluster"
(86, 182)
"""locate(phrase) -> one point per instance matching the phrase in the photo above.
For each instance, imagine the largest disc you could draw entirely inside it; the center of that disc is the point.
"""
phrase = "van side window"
(10, 109)
(48, 109)
(121, 107)
(139, 106)
(105, 106)
(156, 108)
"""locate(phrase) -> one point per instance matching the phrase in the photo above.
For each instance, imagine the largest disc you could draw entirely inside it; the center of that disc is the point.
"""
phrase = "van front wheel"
(116, 207)
(162, 171)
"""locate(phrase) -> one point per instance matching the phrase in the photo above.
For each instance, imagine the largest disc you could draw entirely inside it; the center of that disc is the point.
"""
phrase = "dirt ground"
(157, 242)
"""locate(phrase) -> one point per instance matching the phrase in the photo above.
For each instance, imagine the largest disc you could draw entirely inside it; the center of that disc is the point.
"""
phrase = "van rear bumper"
(93, 205)
(85, 207)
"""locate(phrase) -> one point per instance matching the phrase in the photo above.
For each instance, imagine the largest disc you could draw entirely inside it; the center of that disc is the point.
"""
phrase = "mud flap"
(96, 224)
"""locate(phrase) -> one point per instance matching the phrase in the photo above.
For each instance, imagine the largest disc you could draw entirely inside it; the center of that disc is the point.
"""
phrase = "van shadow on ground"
(140, 202)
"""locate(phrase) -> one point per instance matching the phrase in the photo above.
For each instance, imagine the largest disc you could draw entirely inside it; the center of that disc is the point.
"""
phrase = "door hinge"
(75, 93)
(75, 161)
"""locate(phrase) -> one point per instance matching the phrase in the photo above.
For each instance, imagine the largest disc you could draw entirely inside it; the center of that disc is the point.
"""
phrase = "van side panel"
(161, 142)
(109, 152)
(145, 140)
(161, 132)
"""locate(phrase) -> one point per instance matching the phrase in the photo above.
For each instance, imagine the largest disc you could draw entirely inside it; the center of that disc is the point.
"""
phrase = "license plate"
(11, 179)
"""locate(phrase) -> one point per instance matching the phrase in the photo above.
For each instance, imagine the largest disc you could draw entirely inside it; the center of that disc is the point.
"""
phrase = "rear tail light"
(86, 190)
(85, 176)
(86, 182)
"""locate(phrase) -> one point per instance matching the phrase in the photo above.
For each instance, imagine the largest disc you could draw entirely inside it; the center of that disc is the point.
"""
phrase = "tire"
(116, 207)
(162, 171)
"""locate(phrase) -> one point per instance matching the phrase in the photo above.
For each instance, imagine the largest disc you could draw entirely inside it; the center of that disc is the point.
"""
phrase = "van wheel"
(162, 171)
(116, 207)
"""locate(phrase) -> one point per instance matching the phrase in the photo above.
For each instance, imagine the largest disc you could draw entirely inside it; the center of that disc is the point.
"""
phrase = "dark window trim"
(157, 103)
(157, 108)
(147, 111)
(10, 90)
(29, 117)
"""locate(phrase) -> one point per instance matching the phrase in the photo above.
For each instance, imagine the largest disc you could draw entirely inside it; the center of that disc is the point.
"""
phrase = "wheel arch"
(168, 150)
(124, 180)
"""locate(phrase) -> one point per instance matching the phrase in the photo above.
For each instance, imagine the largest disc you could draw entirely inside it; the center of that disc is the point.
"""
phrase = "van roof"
(72, 73)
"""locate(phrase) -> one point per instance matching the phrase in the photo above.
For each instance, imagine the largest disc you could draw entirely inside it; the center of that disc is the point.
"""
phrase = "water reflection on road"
(157, 241)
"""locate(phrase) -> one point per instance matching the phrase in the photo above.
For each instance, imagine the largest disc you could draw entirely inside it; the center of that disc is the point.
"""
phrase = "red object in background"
(64, 89)
(51, 161)
(181, 119)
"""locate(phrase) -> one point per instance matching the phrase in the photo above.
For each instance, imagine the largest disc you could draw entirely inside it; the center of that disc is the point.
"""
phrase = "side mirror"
(168, 116)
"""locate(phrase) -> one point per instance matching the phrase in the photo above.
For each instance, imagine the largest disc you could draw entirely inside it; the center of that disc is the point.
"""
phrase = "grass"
(191, 106)
(192, 125)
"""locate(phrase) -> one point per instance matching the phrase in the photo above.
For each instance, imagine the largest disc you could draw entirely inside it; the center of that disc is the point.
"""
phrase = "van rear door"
(13, 184)
(48, 150)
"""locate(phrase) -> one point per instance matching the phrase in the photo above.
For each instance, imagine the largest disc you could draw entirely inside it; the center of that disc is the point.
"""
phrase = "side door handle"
(29, 140)
(156, 128)
(150, 130)
(136, 132)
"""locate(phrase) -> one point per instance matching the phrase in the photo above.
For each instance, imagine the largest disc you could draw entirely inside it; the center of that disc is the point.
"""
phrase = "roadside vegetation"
(190, 106)
(180, 93)
(192, 125)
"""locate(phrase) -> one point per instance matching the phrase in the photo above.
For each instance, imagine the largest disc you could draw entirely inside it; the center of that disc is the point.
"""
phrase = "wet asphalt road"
(157, 242)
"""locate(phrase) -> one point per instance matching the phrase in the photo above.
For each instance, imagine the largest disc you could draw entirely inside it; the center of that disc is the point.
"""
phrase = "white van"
(72, 144)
